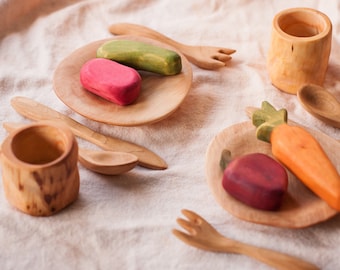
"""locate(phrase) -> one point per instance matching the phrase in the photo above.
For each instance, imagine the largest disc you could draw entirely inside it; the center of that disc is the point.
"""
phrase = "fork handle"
(275, 259)
(139, 30)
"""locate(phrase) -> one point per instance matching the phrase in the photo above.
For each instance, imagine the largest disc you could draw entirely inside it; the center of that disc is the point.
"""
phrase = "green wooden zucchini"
(141, 56)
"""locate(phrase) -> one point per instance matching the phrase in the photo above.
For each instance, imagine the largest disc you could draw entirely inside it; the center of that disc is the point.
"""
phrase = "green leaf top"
(225, 158)
(266, 119)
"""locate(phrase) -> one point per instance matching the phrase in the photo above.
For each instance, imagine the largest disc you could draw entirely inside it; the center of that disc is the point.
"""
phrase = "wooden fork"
(202, 235)
(206, 57)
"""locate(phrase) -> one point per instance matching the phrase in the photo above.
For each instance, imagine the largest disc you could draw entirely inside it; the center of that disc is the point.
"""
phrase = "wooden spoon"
(320, 103)
(39, 112)
(107, 162)
(100, 161)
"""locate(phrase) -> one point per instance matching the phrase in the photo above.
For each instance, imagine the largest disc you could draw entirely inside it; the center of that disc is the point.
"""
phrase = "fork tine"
(198, 220)
(183, 236)
(226, 51)
(222, 57)
(187, 225)
(215, 63)
(189, 240)
(192, 216)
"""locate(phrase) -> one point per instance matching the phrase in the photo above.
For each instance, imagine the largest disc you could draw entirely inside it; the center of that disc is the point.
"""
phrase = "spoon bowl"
(320, 103)
(107, 162)
(100, 161)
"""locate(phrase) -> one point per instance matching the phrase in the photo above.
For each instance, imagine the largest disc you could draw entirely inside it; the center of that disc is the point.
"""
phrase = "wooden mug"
(300, 48)
(39, 168)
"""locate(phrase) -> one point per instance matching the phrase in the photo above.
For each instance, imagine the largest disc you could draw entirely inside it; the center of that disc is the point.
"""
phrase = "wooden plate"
(160, 95)
(300, 207)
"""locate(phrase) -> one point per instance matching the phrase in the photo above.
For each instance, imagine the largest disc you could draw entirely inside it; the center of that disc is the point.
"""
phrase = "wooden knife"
(37, 111)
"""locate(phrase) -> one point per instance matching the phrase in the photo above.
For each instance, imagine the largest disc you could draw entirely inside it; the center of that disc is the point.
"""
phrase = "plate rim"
(186, 69)
(277, 219)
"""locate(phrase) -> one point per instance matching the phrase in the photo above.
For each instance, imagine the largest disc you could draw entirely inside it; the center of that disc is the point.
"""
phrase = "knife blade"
(37, 111)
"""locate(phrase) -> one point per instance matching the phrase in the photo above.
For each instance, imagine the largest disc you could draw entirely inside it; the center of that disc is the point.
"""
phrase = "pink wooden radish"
(110, 80)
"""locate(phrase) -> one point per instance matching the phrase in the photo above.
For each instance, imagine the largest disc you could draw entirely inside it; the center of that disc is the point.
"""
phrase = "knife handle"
(37, 111)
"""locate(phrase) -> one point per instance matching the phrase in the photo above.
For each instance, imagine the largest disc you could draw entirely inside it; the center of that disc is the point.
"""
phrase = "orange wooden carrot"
(300, 152)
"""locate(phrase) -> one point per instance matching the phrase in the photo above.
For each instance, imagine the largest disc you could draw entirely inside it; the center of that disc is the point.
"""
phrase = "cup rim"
(64, 131)
(327, 23)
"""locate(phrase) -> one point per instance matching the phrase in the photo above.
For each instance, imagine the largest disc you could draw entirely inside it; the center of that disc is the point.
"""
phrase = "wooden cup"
(300, 48)
(39, 168)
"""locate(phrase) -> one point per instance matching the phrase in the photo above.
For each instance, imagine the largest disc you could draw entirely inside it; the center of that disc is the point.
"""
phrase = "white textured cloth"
(125, 222)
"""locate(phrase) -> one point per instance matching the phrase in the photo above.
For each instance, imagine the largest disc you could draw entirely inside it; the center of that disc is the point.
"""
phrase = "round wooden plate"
(300, 207)
(160, 95)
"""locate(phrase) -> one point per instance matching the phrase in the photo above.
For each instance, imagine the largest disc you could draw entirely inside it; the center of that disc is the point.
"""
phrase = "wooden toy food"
(110, 80)
(142, 56)
(300, 152)
(255, 179)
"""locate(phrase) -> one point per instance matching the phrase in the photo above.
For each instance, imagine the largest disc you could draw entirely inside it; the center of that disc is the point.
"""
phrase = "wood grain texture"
(104, 162)
(39, 168)
(203, 235)
(107, 162)
(320, 103)
(299, 49)
(160, 96)
(206, 57)
(37, 111)
(300, 207)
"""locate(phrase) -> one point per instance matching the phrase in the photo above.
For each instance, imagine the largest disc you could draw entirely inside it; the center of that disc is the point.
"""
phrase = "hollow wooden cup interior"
(39, 168)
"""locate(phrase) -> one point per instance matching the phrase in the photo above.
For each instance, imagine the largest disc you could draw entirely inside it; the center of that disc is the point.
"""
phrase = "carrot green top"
(266, 119)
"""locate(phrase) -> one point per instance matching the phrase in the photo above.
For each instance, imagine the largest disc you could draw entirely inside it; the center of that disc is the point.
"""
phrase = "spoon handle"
(272, 258)
(36, 111)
